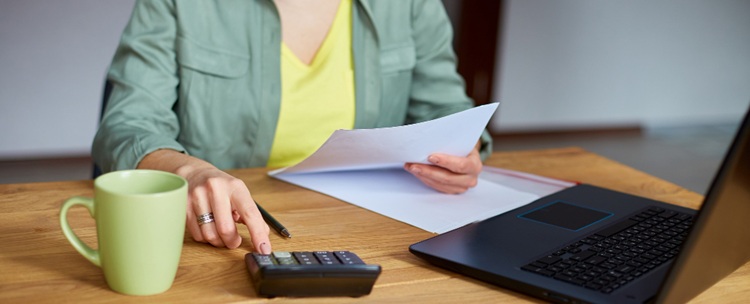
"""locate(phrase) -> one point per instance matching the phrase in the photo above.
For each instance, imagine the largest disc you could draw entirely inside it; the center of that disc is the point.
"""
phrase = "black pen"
(273, 222)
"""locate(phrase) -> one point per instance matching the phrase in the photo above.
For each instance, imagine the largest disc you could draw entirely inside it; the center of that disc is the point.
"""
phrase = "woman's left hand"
(447, 173)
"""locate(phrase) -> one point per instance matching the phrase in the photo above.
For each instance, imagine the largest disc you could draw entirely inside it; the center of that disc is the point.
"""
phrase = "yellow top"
(316, 99)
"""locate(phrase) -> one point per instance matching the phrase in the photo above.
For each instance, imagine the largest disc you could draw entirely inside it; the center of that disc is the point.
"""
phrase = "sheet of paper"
(364, 167)
(523, 181)
(359, 149)
(399, 195)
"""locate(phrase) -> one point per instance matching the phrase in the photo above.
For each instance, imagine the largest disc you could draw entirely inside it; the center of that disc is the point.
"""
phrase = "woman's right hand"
(211, 190)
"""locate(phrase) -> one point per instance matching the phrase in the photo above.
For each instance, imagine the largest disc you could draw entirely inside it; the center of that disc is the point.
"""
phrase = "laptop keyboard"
(612, 257)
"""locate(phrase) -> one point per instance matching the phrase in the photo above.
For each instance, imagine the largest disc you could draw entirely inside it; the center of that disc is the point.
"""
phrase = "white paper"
(523, 181)
(359, 149)
(364, 167)
(399, 195)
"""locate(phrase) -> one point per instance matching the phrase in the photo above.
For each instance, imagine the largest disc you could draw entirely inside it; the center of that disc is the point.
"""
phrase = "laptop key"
(614, 229)
(551, 259)
(535, 269)
(596, 260)
(581, 256)
(569, 279)
(594, 286)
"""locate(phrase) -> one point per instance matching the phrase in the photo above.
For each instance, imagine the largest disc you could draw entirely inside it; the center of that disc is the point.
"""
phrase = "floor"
(686, 156)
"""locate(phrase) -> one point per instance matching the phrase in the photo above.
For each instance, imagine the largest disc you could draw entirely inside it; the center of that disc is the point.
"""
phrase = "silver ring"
(205, 218)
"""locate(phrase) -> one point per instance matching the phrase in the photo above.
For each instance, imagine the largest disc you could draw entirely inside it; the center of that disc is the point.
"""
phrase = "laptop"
(587, 244)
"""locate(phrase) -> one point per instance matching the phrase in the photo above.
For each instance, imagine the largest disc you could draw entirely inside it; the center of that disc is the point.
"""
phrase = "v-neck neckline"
(325, 48)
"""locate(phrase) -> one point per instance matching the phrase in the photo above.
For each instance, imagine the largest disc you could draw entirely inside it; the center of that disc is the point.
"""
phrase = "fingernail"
(433, 159)
(265, 248)
(415, 170)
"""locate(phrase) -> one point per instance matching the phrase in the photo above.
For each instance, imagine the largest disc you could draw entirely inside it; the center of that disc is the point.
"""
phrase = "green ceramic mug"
(140, 226)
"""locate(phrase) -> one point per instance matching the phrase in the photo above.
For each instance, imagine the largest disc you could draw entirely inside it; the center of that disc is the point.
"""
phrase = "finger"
(202, 205)
(221, 206)
(192, 225)
(443, 179)
(471, 164)
(193, 211)
(250, 215)
(449, 188)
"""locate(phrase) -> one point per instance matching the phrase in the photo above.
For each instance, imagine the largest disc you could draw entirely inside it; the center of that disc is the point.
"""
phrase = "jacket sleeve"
(138, 117)
(437, 88)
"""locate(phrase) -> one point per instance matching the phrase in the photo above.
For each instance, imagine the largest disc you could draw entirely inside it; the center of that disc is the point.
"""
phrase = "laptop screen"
(719, 242)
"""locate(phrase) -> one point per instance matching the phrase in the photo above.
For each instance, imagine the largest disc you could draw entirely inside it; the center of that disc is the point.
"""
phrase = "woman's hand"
(447, 173)
(211, 190)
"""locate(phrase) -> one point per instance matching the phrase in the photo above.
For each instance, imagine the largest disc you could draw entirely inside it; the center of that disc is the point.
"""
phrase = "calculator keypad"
(308, 258)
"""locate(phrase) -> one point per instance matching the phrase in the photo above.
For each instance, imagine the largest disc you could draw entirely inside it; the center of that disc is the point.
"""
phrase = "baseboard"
(601, 131)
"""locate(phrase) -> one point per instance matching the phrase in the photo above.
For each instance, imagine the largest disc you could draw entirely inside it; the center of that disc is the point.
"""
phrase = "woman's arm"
(140, 129)
(213, 191)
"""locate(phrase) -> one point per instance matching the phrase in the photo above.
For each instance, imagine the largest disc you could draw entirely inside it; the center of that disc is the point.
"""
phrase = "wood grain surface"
(38, 265)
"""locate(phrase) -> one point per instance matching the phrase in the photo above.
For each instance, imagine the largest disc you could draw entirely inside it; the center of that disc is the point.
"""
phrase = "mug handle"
(90, 254)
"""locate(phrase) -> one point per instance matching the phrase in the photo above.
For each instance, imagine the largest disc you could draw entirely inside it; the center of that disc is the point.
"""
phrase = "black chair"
(105, 97)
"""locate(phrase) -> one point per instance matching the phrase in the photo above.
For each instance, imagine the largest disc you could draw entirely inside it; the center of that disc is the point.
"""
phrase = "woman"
(200, 86)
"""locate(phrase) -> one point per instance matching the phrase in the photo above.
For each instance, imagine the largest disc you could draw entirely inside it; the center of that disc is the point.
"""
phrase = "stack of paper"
(365, 167)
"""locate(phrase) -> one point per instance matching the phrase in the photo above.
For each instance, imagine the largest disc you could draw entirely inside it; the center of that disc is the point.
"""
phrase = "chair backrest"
(105, 97)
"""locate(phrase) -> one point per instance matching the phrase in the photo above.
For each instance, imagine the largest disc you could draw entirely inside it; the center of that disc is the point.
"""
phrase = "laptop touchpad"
(566, 215)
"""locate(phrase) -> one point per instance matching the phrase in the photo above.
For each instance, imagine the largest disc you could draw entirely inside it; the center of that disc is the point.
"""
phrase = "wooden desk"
(37, 264)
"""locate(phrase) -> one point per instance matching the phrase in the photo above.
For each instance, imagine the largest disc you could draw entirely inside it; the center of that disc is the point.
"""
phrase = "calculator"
(311, 273)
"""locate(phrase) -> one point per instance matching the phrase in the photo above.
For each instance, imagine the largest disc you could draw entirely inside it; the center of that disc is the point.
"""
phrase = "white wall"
(53, 58)
(564, 64)
(586, 63)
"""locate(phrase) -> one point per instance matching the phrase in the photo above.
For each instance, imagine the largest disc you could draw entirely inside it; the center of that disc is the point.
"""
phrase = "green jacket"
(203, 77)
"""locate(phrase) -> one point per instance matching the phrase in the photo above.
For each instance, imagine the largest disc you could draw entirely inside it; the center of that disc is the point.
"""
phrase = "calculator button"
(326, 257)
(284, 258)
(282, 254)
(263, 259)
(305, 258)
(348, 258)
